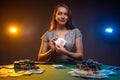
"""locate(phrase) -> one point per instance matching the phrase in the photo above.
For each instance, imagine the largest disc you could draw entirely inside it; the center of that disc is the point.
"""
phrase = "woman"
(61, 28)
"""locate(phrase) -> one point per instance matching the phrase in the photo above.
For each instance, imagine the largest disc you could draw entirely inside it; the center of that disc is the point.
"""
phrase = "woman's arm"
(44, 53)
(79, 49)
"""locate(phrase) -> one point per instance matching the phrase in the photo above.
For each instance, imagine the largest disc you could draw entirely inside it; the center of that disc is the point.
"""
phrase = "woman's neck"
(61, 31)
(61, 28)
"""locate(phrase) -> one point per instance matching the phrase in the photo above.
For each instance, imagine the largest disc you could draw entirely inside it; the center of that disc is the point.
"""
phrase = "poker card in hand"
(60, 41)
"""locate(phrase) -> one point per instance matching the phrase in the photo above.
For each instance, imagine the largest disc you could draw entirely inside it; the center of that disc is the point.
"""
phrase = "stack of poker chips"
(90, 64)
(24, 65)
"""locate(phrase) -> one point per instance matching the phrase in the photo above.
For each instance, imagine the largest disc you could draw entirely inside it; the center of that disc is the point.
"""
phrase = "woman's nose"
(63, 16)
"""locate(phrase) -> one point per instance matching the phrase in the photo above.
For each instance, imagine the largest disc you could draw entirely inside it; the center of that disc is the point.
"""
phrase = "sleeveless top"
(70, 44)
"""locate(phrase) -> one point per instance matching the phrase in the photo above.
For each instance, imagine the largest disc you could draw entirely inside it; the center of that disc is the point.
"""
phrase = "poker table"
(52, 73)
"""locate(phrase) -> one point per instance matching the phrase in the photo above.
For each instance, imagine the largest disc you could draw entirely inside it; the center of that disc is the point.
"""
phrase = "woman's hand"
(52, 43)
(61, 49)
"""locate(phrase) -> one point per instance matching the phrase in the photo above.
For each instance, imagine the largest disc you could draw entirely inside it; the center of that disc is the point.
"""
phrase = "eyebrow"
(62, 12)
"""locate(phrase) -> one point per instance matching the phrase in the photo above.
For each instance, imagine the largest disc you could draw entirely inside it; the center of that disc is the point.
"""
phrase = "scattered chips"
(5, 72)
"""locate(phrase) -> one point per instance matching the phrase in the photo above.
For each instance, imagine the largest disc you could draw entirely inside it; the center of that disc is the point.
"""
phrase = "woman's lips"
(62, 20)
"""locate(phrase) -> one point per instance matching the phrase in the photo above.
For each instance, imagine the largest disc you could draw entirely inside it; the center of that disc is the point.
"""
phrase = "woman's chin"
(62, 23)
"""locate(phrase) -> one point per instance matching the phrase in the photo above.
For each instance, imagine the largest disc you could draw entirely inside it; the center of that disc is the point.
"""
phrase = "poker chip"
(3, 75)
(9, 66)
(10, 70)
(14, 74)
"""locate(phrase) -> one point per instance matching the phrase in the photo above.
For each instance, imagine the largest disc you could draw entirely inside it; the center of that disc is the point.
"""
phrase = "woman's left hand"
(60, 49)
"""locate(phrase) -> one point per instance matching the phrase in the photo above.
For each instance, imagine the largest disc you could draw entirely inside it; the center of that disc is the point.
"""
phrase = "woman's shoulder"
(49, 33)
(75, 30)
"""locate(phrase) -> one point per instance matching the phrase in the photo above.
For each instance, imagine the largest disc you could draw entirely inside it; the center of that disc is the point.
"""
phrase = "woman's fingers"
(57, 46)
(54, 39)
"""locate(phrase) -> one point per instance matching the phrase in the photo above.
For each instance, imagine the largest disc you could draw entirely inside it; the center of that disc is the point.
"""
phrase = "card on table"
(58, 66)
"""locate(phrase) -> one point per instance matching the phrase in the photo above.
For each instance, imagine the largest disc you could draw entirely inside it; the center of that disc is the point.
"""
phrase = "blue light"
(108, 30)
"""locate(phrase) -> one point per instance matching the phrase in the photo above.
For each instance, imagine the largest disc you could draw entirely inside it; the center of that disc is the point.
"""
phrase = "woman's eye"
(66, 14)
(59, 13)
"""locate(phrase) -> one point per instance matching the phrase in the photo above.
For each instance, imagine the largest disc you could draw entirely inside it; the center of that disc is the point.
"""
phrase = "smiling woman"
(63, 42)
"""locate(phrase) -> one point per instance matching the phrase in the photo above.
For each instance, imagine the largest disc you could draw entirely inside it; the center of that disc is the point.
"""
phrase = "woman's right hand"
(52, 43)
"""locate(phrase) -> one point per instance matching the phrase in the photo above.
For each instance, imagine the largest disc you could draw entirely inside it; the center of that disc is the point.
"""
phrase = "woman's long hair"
(69, 24)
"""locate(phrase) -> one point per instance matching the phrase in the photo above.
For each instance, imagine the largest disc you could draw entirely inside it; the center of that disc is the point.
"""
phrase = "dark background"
(32, 18)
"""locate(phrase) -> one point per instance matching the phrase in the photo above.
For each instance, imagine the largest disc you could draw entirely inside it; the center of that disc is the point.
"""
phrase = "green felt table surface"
(52, 73)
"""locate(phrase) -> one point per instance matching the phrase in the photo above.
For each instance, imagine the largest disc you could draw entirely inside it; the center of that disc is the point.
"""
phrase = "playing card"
(58, 66)
(60, 41)
(37, 71)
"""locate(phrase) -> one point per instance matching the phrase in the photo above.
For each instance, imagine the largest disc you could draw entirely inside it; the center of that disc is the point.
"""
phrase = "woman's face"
(61, 16)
